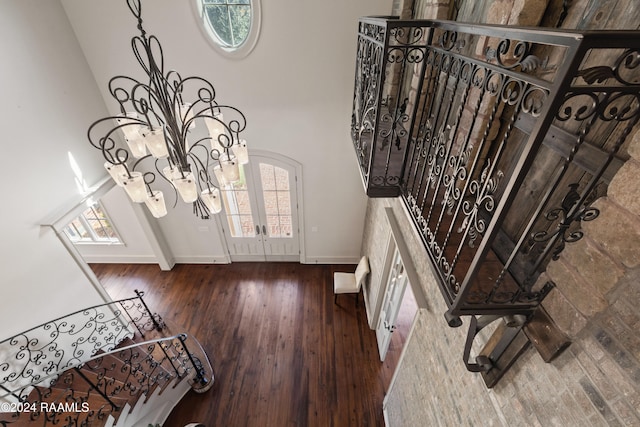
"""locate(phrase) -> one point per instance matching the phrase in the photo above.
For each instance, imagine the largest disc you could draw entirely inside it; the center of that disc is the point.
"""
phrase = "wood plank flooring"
(282, 352)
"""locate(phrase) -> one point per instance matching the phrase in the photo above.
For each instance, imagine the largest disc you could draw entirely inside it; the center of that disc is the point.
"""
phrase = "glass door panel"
(261, 221)
(237, 206)
(277, 200)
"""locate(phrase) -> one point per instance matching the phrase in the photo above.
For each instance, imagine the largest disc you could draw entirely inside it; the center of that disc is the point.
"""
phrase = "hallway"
(282, 352)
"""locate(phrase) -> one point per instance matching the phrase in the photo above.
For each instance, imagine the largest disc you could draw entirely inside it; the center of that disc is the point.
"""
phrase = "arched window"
(232, 25)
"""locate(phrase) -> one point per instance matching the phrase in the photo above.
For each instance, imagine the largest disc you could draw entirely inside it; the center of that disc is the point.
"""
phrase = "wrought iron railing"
(68, 340)
(497, 139)
(84, 366)
(87, 393)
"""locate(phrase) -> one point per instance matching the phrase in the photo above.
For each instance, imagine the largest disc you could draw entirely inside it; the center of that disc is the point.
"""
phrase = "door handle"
(257, 230)
(264, 230)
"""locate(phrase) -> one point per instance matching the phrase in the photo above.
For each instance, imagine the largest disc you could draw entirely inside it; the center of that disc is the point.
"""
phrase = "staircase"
(113, 365)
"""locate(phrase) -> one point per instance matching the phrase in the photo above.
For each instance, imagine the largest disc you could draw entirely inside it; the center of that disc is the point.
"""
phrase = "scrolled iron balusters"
(96, 389)
(399, 55)
(627, 63)
(365, 102)
(72, 361)
(604, 106)
(407, 36)
(34, 355)
(395, 132)
(495, 137)
(568, 214)
(448, 40)
(482, 200)
(587, 108)
(458, 166)
(436, 157)
(61, 343)
(516, 58)
(501, 296)
(533, 100)
(376, 32)
(61, 402)
(419, 147)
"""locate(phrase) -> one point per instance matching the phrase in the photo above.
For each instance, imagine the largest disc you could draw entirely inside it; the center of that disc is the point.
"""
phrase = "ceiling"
(295, 89)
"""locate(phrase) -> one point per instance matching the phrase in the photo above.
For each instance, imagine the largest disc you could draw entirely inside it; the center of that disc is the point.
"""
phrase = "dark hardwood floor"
(282, 352)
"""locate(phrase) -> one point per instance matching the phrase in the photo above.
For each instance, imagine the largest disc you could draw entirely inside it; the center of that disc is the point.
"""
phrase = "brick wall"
(596, 381)
(432, 386)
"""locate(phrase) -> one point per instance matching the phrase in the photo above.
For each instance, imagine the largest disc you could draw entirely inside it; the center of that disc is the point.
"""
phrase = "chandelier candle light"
(155, 121)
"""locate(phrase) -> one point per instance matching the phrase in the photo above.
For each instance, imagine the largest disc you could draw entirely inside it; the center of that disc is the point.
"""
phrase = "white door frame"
(395, 288)
(61, 218)
(298, 192)
(395, 240)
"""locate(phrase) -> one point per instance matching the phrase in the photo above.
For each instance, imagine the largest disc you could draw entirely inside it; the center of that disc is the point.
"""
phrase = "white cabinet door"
(261, 212)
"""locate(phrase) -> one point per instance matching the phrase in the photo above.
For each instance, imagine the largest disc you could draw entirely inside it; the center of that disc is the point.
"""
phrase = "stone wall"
(402, 8)
(432, 386)
(596, 381)
(432, 9)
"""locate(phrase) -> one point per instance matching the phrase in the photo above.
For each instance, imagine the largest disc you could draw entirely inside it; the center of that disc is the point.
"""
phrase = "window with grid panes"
(237, 206)
(92, 226)
(277, 200)
(230, 20)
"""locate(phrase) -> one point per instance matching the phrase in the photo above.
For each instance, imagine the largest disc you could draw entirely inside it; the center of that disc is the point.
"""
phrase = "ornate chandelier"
(158, 118)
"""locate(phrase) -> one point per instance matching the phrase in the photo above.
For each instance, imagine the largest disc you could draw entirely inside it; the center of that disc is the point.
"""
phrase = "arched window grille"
(232, 25)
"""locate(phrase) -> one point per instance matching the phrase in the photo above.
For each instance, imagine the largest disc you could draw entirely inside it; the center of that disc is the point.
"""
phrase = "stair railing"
(86, 392)
(64, 342)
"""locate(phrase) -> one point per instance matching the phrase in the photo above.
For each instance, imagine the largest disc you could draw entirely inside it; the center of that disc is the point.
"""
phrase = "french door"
(394, 292)
(261, 212)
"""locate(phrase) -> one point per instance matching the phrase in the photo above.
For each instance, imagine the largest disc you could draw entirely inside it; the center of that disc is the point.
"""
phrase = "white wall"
(295, 89)
(48, 99)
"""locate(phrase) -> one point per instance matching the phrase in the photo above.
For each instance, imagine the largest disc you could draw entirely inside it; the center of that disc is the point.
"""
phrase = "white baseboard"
(201, 260)
(331, 260)
(119, 259)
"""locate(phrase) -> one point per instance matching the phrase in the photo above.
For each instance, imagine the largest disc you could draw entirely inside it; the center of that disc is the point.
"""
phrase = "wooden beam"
(588, 157)
(545, 335)
(507, 358)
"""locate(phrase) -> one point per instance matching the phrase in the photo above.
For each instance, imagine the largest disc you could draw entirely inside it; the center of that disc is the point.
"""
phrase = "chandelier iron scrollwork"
(159, 118)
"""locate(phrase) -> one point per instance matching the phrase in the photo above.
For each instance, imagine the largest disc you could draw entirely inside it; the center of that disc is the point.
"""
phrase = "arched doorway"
(263, 211)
